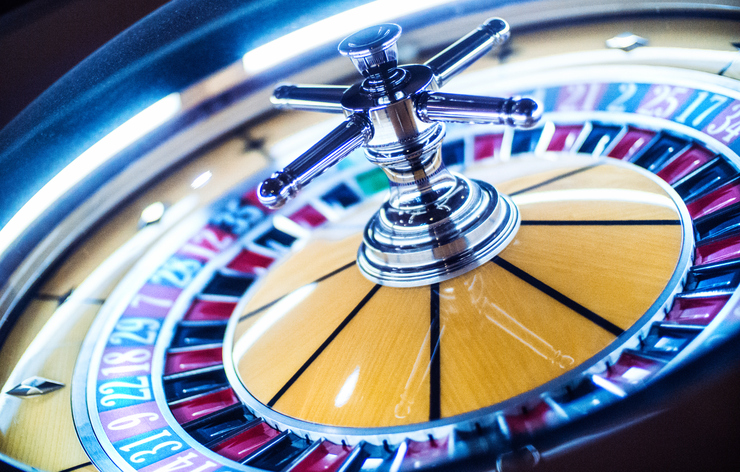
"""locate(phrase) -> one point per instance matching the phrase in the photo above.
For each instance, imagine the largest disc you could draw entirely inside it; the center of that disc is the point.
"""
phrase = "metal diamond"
(626, 41)
(34, 386)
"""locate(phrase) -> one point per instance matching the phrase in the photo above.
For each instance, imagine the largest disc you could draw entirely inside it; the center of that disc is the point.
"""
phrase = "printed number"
(716, 100)
(185, 461)
(664, 102)
(626, 91)
(237, 218)
(131, 421)
(140, 299)
(731, 125)
(137, 457)
(134, 360)
(139, 330)
(580, 97)
(109, 389)
(176, 272)
(207, 243)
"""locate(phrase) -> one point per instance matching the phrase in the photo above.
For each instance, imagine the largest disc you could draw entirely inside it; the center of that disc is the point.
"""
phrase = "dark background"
(40, 40)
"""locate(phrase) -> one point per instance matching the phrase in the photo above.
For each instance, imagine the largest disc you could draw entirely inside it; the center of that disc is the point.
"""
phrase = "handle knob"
(354, 132)
(373, 50)
(468, 49)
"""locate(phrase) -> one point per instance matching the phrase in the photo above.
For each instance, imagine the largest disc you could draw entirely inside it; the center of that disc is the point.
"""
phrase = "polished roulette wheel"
(194, 279)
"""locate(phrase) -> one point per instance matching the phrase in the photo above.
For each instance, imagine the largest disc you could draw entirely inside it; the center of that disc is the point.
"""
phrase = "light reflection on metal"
(201, 180)
(608, 386)
(152, 213)
(635, 374)
(86, 163)
(435, 224)
(601, 145)
(35, 386)
(626, 41)
(548, 131)
(289, 226)
(398, 459)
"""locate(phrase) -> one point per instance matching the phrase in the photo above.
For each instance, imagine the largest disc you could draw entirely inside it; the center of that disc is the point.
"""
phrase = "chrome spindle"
(435, 224)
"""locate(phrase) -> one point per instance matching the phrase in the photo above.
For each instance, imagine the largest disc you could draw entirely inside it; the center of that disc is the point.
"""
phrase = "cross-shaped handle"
(373, 51)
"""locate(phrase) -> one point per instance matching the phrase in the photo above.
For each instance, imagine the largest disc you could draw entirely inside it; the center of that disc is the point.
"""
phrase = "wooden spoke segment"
(597, 191)
(388, 340)
(500, 337)
(270, 347)
(598, 175)
(614, 271)
(319, 259)
(598, 246)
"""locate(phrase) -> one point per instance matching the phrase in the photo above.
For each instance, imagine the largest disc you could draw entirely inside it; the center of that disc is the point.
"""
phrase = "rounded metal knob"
(277, 189)
(373, 50)
(524, 113)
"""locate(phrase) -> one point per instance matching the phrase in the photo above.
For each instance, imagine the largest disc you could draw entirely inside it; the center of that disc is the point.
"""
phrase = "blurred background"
(41, 40)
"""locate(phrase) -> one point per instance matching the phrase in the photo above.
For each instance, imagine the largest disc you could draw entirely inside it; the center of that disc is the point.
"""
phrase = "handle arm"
(283, 185)
(326, 98)
(458, 56)
(468, 49)
(450, 107)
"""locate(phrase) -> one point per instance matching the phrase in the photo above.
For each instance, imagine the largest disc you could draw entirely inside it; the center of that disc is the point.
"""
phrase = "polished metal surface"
(626, 41)
(373, 50)
(471, 235)
(35, 386)
(325, 98)
(454, 108)
(435, 224)
(456, 58)
(341, 141)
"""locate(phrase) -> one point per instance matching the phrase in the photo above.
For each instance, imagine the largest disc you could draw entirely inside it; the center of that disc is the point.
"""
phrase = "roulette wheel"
(549, 276)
